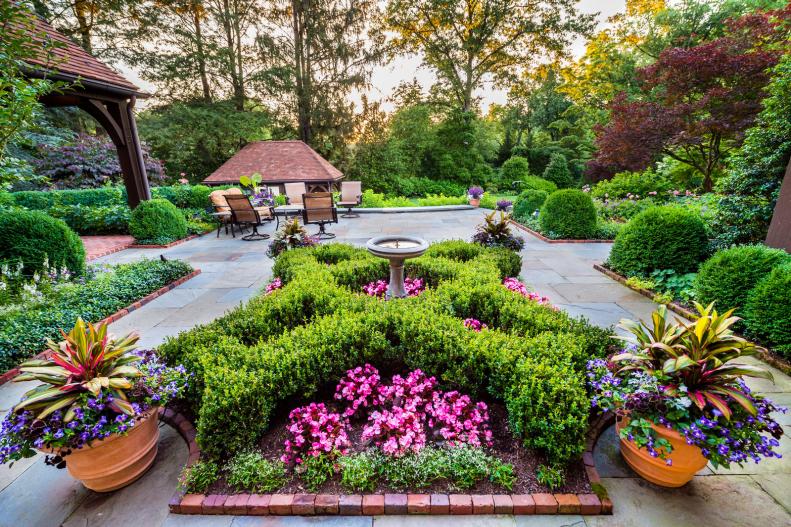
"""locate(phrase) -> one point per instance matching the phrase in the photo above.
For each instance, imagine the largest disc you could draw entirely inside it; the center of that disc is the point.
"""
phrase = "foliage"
(361, 472)
(729, 275)
(251, 471)
(538, 183)
(157, 221)
(198, 477)
(497, 233)
(528, 203)
(660, 238)
(640, 184)
(767, 313)
(39, 241)
(23, 331)
(315, 471)
(433, 200)
(569, 214)
(291, 236)
(676, 285)
(378, 289)
(550, 476)
(515, 168)
(557, 171)
(314, 431)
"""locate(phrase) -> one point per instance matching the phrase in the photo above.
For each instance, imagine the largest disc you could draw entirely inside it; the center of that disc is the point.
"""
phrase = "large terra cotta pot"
(687, 459)
(475, 202)
(116, 461)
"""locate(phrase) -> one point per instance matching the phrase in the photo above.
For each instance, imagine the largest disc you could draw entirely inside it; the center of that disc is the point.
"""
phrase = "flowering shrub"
(459, 420)
(413, 287)
(474, 324)
(360, 387)
(314, 431)
(513, 284)
(273, 286)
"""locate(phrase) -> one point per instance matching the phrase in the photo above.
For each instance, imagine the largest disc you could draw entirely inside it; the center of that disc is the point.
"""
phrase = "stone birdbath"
(396, 249)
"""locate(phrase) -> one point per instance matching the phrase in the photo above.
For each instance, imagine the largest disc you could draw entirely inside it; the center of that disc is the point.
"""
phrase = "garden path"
(32, 494)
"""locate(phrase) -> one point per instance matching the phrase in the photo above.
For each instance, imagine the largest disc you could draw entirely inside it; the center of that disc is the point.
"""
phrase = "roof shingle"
(277, 162)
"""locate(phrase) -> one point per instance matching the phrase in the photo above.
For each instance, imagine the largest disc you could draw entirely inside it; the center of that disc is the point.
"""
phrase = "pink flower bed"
(359, 388)
(459, 420)
(513, 284)
(274, 285)
(474, 324)
(413, 286)
(313, 431)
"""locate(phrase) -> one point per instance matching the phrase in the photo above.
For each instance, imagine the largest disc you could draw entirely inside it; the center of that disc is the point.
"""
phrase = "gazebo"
(101, 92)
(278, 162)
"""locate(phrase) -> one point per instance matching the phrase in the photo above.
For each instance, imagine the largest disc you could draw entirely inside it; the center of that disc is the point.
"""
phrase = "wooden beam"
(779, 235)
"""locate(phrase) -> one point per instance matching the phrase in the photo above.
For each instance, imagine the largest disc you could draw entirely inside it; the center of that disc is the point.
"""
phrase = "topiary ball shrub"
(157, 221)
(728, 277)
(568, 214)
(515, 169)
(558, 172)
(528, 202)
(660, 238)
(33, 237)
(767, 315)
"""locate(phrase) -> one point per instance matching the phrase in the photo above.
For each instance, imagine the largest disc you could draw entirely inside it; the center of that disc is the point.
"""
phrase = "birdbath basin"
(396, 249)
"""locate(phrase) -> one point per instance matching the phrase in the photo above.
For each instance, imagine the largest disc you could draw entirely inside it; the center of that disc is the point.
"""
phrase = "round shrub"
(660, 238)
(33, 237)
(538, 183)
(157, 221)
(515, 168)
(727, 277)
(558, 172)
(528, 202)
(569, 214)
(767, 315)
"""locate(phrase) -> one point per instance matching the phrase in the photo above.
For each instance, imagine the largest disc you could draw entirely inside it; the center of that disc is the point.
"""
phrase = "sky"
(386, 77)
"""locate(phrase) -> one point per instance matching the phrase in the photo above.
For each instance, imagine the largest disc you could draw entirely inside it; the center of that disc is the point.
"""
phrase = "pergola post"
(779, 235)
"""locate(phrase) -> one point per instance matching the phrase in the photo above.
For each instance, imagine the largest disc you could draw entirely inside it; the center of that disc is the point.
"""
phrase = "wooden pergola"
(98, 90)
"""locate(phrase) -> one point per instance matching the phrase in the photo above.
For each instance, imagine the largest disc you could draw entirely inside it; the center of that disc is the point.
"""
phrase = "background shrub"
(33, 237)
(538, 183)
(528, 202)
(558, 172)
(515, 169)
(157, 221)
(569, 214)
(767, 315)
(635, 183)
(727, 277)
(660, 238)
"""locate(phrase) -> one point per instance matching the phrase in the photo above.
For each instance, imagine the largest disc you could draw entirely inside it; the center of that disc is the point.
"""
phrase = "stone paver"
(233, 271)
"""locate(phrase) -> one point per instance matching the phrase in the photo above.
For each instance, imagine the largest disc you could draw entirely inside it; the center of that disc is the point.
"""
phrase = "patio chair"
(351, 196)
(294, 193)
(319, 210)
(220, 205)
(243, 214)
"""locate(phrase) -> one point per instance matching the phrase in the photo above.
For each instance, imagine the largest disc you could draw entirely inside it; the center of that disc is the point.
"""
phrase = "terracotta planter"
(475, 202)
(117, 461)
(687, 459)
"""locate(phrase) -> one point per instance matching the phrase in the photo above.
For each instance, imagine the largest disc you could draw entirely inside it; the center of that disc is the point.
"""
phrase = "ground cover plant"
(290, 346)
(34, 310)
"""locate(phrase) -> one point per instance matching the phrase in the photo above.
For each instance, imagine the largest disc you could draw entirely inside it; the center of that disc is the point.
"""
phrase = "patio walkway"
(233, 271)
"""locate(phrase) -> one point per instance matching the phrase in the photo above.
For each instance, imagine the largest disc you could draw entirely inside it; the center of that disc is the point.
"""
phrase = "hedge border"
(548, 240)
(13, 372)
(598, 503)
(677, 308)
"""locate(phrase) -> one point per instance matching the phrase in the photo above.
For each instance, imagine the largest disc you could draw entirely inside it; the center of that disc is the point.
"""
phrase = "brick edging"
(109, 252)
(13, 372)
(548, 240)
(768, 358)
(168, 245)
(594, 503)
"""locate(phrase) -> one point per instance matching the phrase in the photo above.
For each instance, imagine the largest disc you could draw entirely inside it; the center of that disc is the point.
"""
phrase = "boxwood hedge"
(286, 347)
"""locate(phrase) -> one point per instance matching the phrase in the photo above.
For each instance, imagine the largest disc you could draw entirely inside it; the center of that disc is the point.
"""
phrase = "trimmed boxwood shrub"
(728, 276)
(538, 183)
(23, 332)
(660, 238)
(767, 314)
(34, 237)
(569, 214)
(157, 221)
(558, 172)
(514, 169)
(528, 202)
(291, 344)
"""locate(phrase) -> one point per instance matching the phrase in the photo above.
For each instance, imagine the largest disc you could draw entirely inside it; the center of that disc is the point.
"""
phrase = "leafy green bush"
(198, 477)
(24, 332)
(636, 183)
(558, 172)
(157, 221)
(767, 315)
(515, 169)
(538, 183)
(660, 238)
(185, 196)
(252, 472)
(316, 471)
(550, 476)
(528, 202)
(729, 275)
(94, 219)
(433, 200)
(33, 238)
(6, 200)
(415, 187)
(361, 472)
(569, 214)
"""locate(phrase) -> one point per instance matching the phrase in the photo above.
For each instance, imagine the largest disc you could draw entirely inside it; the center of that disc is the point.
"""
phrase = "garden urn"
(475, 202)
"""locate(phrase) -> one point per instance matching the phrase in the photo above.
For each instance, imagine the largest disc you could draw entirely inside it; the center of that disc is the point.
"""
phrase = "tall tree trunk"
(82, 11)
(300, 73)
(239, 90)
(204, 79)
(230, 42)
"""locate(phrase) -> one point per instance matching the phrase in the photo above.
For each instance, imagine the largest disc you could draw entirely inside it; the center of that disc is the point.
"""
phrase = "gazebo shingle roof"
(277, 162)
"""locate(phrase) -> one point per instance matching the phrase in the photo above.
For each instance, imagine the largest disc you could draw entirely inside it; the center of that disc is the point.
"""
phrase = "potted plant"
(291, 236)
(680, 400)
(504, 204)
(474, 194)
(96, 411)
(494, 232)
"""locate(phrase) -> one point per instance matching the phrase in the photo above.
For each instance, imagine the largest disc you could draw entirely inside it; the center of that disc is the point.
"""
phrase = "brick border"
(111, 251)
(168, 245)
(595, 503)
(547, 240)
(13, 372)
(677, 308)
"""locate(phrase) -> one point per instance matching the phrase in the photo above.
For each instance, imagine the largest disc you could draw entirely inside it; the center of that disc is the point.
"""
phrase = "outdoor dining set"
(235, 209)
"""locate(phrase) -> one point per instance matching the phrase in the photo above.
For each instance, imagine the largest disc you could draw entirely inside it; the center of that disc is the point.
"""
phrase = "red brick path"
(97, 246)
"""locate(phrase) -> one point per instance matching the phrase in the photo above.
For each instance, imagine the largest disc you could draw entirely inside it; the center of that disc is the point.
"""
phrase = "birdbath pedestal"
(396, 249)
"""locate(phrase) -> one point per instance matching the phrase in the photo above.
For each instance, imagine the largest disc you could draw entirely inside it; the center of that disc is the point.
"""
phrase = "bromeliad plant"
(291, 236)
(683, 376)
(495, 232)
(93, 386)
